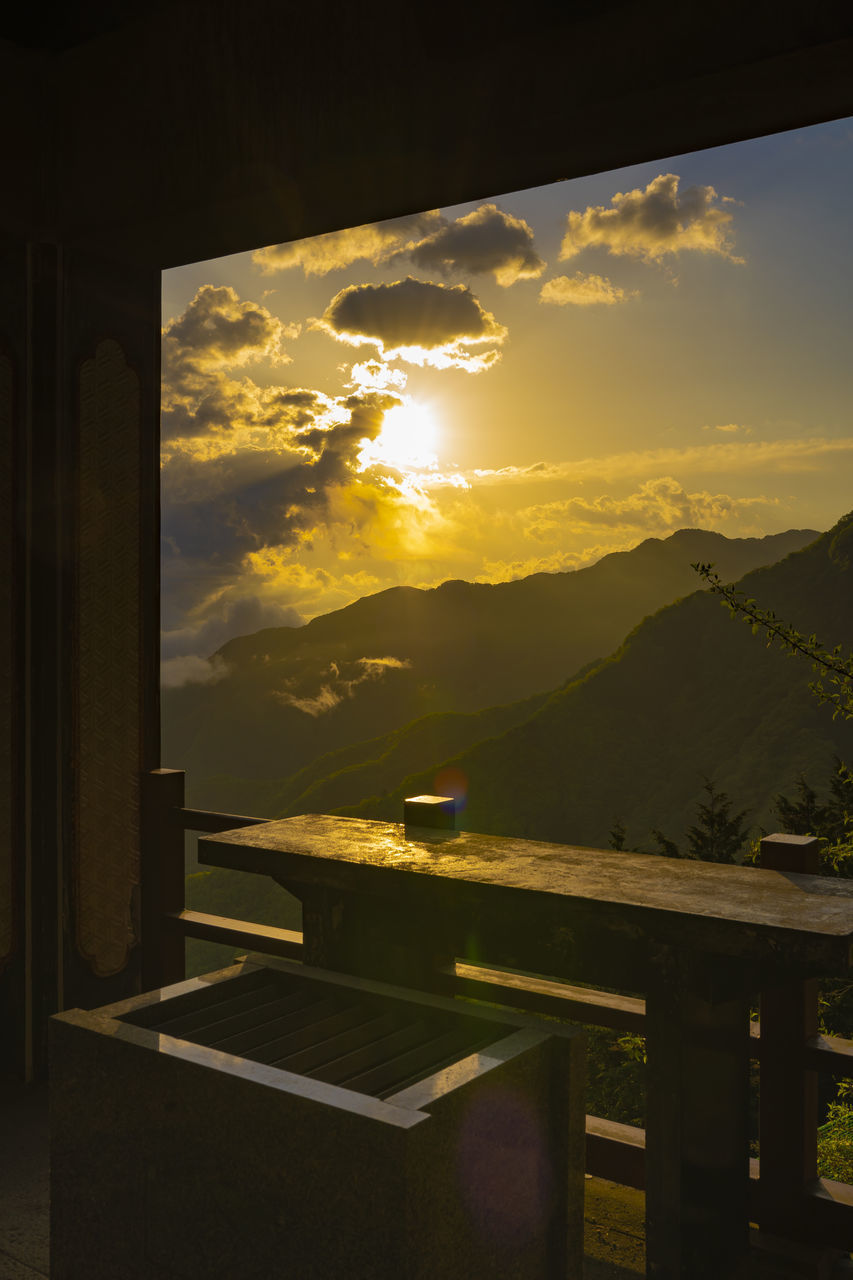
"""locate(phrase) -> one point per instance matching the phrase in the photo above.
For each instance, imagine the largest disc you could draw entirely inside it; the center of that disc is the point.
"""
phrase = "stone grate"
(372, 1044)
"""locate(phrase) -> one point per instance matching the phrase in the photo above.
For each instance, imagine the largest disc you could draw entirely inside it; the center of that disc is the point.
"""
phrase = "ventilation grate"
(373, 1044)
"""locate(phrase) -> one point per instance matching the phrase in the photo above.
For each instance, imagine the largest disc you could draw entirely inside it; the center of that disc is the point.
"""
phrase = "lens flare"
(452, 782)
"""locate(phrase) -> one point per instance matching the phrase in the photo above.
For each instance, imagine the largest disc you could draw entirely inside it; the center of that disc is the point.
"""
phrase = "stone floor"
(614, 1215)
(24, 1222)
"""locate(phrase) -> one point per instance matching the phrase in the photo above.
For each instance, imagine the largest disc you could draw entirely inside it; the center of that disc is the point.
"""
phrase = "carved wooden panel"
(106, 857)
(7, 914)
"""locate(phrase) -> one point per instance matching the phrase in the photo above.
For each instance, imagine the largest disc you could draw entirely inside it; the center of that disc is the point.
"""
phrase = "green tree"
(829, 817)
(804, 815)
(618, 834)
(719, 835)
(665, 847)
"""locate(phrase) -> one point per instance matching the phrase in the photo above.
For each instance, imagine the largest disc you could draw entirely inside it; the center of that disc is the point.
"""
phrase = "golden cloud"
(376, 242)
(218, 328)
(554, 562)
(582, 290)
(729, 428)
(654, 223)
(662, 503)
(808, 453)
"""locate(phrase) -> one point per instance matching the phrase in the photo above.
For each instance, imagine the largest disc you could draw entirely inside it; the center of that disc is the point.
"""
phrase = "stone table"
(698, 939)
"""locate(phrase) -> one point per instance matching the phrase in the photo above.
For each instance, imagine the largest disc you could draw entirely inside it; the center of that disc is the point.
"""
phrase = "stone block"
(270, 1120)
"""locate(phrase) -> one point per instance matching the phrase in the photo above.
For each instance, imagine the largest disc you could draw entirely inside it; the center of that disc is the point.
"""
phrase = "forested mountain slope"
(691, 694)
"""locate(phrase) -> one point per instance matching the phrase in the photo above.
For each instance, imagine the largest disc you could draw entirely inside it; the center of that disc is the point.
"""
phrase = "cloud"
(250, 469)
(341, 679)
(654, 223)
(221, 507)
(376, 376)
(662, 503)
(553, 562)
(325, 700)
(417, 320)
(384, 664)
(253, 475)
(810, 453)
(729, 428)
(377, 242)
(218, 328)
(190, 669)
(582, 290)
(486, 240)
(287, 572)
(217, 333)
(222, 618)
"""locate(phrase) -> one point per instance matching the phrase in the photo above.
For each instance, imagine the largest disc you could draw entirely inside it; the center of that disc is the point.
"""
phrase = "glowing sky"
(520, 384)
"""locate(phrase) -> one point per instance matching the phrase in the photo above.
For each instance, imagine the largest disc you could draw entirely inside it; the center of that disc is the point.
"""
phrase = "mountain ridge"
(288, 696)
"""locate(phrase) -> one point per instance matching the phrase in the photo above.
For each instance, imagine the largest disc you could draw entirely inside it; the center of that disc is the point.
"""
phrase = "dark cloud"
(294, 405)
(219, 332)
(216, 510)
(487, 240)
(218, 328)
(410, 313)
(234, 503)
(653, 223)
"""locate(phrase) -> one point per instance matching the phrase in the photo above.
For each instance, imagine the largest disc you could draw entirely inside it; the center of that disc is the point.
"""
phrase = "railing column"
(697, 1122)
(788, 1096)
(162, 877)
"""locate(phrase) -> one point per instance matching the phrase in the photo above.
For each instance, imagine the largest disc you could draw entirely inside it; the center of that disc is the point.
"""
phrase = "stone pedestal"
(273, 1120)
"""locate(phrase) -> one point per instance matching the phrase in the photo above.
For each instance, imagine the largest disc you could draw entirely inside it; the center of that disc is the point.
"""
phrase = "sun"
(408, 437)
(407, 440)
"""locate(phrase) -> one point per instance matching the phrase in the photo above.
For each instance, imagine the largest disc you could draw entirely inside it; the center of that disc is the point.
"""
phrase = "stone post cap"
(430, 811)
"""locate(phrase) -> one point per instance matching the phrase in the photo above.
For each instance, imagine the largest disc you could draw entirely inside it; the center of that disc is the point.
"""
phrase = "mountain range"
(690, 695)
(411, 676)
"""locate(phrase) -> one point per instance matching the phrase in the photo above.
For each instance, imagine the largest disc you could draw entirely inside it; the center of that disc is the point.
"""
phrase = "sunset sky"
(520, 384)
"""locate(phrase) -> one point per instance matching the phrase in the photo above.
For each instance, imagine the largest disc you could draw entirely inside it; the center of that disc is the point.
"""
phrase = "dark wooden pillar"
(788, 1098)
(35, 652)
(79, 623)
(15, 945)
(163, 793)
(697, 1132)
(10, 911)
(111, 321)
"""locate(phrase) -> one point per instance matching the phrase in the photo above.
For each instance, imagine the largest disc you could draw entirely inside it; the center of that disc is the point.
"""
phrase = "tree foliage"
(833, 667)
(717, 835)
